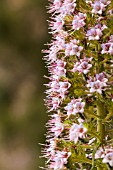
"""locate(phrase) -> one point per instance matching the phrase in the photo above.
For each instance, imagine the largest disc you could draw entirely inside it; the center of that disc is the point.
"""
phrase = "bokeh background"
(23, 33)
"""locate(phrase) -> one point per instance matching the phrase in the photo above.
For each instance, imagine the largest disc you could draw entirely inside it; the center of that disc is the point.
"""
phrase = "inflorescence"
(80, 89)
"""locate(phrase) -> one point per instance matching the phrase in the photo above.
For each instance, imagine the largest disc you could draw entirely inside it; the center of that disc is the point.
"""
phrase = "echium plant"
(80, 88)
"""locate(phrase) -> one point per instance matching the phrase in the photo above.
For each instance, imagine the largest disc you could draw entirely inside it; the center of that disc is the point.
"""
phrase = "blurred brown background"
(23, 33)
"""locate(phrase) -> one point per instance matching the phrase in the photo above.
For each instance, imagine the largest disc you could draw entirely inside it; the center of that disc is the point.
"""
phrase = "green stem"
(100, 126)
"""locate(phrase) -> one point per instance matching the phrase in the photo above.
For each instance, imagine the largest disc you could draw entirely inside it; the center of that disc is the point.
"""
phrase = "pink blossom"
(50, 151)
(67, 55)
(57, 25)
(77, 131)
(105, 2)
(94, 34)
(98, 7)
(55, 101)
(63, 89)
(108, 158)
(98, 83)
(102, 77)
(68, 7)
(55, 124)
(57, 128)
(55, 6)
(83, 66)
(73, 49)
(74, 107)
(100, 153)
(59, 160)
(57, 69)
(106, 154)
(96, 87)
(78, 21)
(60, 42)
(107, 48)
(69, 108)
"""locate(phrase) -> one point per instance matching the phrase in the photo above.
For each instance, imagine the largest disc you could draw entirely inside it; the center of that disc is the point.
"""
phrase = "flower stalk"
(80, 89)
(100, 125)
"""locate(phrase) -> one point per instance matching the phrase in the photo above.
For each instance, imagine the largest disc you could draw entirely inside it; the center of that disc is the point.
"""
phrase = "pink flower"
(57, 128)
(55, 6)
(55, 101)
(73, 49)
(59, 160)
(83, 66)
(68, 7)
(78, 21)
(98, 84)
(96, 87)
(74, 107)
(57, 25)
(102, 77)
(57, 69)
(107, 48)
(69, 108)
(105, 2)
(55, 125)
(50, 151)
(105, 153)
(108, 158)
(60, 42)
(100, 153)
(94, 34)
(98, 7)
(63, 88)
(77, 131)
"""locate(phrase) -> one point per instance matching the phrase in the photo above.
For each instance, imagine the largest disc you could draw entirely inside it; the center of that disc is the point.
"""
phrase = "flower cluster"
(80, 89)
